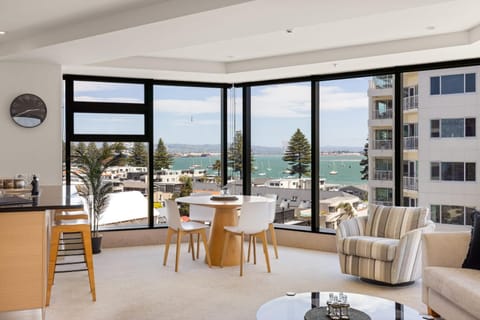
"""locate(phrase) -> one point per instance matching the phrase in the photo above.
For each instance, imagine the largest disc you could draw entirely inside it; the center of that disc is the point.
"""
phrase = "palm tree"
(92, 163)
(346, 211)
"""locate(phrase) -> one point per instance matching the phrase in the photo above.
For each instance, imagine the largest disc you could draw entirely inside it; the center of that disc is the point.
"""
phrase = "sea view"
(343, 169)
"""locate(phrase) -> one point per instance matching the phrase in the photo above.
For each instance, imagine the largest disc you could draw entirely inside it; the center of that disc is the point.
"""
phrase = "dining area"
(231, 220)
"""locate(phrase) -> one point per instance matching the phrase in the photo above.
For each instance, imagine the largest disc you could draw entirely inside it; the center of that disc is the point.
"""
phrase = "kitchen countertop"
(50, 197)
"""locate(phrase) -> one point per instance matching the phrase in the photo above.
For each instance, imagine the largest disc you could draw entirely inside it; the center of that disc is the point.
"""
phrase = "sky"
(191, 115)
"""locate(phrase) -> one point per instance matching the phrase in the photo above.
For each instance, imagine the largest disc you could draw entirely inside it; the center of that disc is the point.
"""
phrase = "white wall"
(31, 150)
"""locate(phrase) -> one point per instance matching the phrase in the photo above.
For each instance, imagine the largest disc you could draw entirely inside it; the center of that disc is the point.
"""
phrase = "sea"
(342, 169)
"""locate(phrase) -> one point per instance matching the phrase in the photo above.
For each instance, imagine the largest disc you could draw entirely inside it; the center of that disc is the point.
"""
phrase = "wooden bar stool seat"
(61, 246)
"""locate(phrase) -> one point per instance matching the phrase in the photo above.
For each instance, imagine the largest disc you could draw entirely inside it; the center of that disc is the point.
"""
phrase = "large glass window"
(111, 115)
(281, 149)
(187, 139)
(344, 152)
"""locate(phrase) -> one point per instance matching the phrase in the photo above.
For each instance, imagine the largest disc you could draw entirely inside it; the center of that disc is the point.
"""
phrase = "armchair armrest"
(407, 262)
(352, 227)
(445, 249)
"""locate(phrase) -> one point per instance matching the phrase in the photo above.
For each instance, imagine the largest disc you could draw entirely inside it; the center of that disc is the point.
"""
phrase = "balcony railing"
(383, 203)
(381, 83)
(410, 143)
(410, 102)
(384, 175)
(382, 114)
(382, 144)
(410, 183)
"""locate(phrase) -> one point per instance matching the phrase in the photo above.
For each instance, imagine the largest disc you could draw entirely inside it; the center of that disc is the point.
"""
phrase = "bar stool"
(70, 223)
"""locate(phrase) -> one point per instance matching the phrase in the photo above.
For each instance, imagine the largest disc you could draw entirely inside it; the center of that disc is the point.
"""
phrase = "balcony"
(379, 115)
(381, 83)
(410, 183)
(383, 175)
(383, 202)
(410, 143)
(382, 144)
(410, 103)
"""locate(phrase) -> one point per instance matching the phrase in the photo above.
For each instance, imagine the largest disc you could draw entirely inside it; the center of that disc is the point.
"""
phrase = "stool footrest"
(66, 271)
(66, 263)
(71, 254)
(72, 249)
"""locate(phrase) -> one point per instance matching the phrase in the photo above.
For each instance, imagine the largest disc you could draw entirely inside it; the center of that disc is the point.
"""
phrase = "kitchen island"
(24, 236)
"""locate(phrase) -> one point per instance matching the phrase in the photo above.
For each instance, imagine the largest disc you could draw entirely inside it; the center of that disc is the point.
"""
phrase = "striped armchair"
(384, 246)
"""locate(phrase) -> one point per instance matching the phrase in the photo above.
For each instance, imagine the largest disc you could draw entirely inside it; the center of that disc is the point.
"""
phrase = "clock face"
(28, 110)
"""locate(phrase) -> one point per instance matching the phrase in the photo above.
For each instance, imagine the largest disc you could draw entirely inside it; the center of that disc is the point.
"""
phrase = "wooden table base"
(224, 216)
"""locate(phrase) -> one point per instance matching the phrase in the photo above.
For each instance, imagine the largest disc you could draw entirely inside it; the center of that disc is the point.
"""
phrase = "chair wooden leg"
(263, 236)
(242, 256)
(192, 245)
(225, 245)
(205, 244)
(198, 244)
(167, 245)
(87, 250)
(274, 239)
(254, 249)
(250, 239)
(177, 255)
(432, 312)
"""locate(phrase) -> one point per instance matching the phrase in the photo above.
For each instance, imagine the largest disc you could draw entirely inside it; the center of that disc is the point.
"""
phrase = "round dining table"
(226, 214)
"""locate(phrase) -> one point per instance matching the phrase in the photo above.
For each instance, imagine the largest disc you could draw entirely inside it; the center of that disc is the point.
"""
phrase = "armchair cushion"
(369, 247)
(394, 222)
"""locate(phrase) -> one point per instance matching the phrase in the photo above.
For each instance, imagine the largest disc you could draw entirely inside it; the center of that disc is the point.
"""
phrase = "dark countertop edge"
(30, 208)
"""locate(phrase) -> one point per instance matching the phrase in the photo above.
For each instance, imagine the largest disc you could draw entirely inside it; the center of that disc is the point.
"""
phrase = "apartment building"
(439, 111)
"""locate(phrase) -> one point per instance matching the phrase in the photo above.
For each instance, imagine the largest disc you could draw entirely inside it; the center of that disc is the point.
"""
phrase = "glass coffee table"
(294, 306)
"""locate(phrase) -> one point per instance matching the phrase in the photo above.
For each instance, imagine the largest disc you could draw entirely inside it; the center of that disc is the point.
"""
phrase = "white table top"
(206, 201)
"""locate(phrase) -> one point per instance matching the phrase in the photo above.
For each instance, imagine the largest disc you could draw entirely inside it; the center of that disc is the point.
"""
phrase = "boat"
(261, 173)
(333, 172)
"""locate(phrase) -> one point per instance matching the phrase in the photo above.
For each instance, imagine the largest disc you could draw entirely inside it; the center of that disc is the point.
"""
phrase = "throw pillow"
(472, 261)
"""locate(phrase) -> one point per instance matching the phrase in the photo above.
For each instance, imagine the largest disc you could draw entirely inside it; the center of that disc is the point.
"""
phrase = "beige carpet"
(132, 283)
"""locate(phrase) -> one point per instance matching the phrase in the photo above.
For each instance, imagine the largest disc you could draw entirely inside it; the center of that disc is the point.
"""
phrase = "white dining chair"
(253, 221)
(201, 214)
(175, 225)
(252, 241)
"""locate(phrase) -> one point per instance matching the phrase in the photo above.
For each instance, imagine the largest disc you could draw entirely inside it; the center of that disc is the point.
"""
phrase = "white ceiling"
(236, 40)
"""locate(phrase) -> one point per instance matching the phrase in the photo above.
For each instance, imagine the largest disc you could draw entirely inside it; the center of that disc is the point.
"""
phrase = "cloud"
(93, 86)
(336, 98)
(105, 99)
(190, 107)
(275, 101)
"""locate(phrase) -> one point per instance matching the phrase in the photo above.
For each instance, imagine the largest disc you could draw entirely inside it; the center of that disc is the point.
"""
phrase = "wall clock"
(28, 110)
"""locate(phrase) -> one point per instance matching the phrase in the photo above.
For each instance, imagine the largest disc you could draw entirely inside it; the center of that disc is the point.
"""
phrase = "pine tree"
(217, 166)
(235, 158)
(138, 155)
(120, 150)
(298, 154)
(364, 162)
(235, 154)
(185, 190)
(162, 159)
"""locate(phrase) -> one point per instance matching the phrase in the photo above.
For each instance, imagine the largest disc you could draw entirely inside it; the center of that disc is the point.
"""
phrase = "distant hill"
(215, 148)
